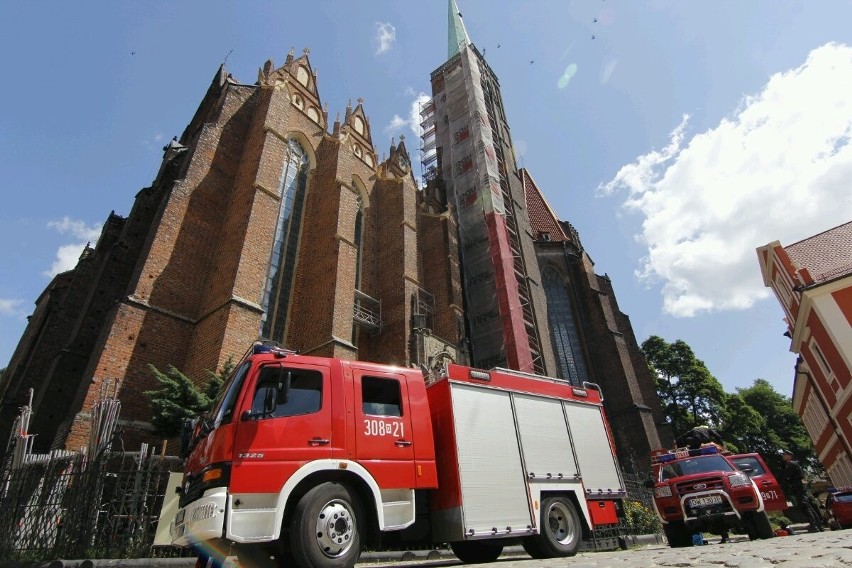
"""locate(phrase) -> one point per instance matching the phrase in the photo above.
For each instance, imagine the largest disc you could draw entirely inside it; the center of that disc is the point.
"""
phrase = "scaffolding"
(500, 318)
(367, 312)
(428, 142)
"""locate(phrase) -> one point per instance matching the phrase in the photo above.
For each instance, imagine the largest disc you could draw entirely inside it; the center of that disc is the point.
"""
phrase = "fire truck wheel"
(677, 534)
(560, 529)
(758, 525)
(477, 551)
(325, 530)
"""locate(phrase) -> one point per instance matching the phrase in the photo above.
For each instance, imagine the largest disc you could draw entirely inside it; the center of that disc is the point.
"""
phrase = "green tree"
(743, 428)
(178, 398)
(689, 393)
(784, 429)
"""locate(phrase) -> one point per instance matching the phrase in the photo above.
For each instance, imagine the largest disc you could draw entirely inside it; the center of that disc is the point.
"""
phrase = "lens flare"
(570, 71)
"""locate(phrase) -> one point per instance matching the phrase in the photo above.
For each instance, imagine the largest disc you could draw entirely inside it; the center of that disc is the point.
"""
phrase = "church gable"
(356, 127)
(300, 79)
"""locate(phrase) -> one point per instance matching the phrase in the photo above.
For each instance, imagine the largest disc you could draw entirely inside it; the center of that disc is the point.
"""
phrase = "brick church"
(266, 219)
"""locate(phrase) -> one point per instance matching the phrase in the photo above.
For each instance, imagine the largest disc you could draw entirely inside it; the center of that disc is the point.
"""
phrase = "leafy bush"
(178, 398)
(640, 518)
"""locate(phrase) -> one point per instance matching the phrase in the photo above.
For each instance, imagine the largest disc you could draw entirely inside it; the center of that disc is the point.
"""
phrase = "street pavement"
(829, 549)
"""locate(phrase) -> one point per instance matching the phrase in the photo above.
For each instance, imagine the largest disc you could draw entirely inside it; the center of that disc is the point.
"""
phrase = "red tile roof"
(542, 217)
(827, 255)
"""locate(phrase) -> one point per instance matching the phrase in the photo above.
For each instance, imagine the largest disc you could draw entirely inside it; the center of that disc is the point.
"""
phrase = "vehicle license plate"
(705, 501)
(179, 517)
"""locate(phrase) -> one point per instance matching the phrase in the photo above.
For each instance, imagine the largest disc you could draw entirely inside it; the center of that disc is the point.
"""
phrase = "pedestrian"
(794, 479)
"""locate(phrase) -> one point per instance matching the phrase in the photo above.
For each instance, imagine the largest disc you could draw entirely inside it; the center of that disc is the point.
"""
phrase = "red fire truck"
(308, 460)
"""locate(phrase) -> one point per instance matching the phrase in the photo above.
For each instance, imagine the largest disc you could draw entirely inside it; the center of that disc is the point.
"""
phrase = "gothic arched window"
(564, 330)
(359, 234)
(282, 263)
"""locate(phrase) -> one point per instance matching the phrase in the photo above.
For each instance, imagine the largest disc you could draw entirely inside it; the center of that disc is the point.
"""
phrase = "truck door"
(384, 441)
(269, 447)
(770, 489)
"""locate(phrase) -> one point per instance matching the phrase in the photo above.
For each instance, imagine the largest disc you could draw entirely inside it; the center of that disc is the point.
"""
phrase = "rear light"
(663, 491)
(739, 480)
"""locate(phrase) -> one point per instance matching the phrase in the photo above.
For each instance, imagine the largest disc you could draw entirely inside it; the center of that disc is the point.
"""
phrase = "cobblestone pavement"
(830, 549)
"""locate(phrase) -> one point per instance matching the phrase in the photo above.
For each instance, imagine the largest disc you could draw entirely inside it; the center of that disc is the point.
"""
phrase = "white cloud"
(75, 228)
(779, 168)
(155, 142)
(10, 307)
(385, 36)
(67, 255)
(398, 123)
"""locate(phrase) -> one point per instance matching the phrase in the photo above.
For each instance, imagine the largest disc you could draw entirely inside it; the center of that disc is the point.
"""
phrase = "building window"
(564, 329)
(821, 360)
(359, 234)
(783, 290)
(814, 418)
(282, 264)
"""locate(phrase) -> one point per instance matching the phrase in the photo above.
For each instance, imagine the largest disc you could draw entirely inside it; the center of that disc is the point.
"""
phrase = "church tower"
(468, 151)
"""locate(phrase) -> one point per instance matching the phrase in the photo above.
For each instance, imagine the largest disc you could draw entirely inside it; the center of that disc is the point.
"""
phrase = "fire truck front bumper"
(201, 520)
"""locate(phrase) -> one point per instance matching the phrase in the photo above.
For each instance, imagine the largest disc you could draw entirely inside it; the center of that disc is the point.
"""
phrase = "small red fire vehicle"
(708, 489)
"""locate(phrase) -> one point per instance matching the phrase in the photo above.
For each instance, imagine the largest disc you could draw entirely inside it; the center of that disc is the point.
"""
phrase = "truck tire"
(326, 528)
(677, 534)
(561, 531)
(758, 525)
(477, 551)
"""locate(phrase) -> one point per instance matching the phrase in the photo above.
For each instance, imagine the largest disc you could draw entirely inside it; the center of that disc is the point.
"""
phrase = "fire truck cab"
(307, 459)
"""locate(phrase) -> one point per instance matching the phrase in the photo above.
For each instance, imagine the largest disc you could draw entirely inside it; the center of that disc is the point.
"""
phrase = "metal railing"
(73, 505)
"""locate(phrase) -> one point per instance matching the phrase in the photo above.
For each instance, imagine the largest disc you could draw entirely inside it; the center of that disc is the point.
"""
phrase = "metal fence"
(639, 517)
(73, 505)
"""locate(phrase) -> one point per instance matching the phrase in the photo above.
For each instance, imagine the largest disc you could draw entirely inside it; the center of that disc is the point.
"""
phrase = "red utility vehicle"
(708, 489)
(838, 508)
(309, 459)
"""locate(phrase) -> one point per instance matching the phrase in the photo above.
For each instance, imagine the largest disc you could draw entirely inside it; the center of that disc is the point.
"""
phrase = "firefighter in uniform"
(793, 477)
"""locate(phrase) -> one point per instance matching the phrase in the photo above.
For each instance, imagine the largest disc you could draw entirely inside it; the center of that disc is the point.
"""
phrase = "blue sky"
(678, 139)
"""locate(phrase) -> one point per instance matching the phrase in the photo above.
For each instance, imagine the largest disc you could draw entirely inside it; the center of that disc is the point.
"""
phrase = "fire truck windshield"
(223, 407)
(699, 464)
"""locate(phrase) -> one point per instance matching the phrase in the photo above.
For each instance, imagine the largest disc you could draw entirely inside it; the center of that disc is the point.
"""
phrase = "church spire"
(458, 34)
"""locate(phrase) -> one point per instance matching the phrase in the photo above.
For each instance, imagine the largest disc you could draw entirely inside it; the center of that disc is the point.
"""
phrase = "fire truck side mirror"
(649, 484)
(283, 387)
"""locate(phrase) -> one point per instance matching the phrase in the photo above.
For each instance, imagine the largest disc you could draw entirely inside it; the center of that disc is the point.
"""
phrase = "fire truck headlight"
(739, 480)
(663, 491)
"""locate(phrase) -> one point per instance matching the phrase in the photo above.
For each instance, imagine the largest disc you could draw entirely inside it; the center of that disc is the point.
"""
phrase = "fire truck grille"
(192, 491)
(695, 485)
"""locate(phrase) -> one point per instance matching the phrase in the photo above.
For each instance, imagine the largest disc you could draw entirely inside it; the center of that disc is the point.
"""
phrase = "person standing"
(794, 479)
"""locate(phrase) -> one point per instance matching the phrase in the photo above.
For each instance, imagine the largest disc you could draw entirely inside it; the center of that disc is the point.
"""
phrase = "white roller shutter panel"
(494, 493)
(597, 464)
(544, 437)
